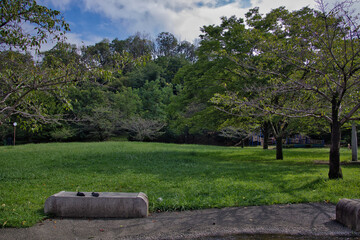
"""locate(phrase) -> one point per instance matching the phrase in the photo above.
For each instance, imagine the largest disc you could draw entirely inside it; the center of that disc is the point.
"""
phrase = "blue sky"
(93, 20)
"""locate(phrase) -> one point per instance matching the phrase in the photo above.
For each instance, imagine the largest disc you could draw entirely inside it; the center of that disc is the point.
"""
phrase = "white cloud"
(184, 18)
(267, 5)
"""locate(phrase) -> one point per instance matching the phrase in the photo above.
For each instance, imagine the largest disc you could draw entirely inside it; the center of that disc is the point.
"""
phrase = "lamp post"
(354, 143)
(15, 124)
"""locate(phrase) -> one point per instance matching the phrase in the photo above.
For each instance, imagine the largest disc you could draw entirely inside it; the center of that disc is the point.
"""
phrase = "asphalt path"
(290, 221)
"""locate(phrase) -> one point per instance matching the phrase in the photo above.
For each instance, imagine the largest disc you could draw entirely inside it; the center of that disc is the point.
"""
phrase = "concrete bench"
(106, 205)
(348, 213)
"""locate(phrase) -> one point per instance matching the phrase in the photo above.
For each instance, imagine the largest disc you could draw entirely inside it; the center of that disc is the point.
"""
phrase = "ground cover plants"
(184, 176)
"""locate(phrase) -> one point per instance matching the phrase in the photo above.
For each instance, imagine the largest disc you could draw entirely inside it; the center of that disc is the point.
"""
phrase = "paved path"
(314, 219)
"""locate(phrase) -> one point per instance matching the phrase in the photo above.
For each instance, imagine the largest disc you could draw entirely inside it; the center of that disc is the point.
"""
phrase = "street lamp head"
(15, 123)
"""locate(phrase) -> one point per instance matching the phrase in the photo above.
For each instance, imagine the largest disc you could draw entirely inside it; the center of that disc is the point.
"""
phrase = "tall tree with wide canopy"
(323, 52)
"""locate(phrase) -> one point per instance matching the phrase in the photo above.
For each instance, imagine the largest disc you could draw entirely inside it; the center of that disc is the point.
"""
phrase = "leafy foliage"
(27, 88)
(45, 22)
(311, 60)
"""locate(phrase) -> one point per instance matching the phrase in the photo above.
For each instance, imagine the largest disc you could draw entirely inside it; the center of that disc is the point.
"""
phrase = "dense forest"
(138, 89)
(278, 74)
(141, 90)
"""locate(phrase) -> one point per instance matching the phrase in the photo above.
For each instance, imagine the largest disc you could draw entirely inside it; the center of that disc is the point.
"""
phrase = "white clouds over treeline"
(183, 18)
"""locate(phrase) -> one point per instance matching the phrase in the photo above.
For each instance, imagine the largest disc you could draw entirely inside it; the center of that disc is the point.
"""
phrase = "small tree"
(143, 129)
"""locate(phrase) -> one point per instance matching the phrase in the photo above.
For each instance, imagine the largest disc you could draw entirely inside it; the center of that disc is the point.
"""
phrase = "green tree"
(252, 92)
(24, 83)
(166, 44)
(191, 110)
(138, 77)
(138, 45)
(25, 86)
(212, 73)
(100, 54)
(170, 65)
(119, 56)
(325, 50)
(155, 99)
(63, 53)
(100, 122)
(46, 24)
(127, 102)
(321, 48)
(187, 50)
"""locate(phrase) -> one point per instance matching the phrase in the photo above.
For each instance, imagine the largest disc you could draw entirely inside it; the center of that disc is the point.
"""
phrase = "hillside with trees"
(282, 73)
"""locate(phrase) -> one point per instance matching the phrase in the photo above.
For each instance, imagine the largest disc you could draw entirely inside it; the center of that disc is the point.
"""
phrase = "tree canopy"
(311, 58)
(48, 24)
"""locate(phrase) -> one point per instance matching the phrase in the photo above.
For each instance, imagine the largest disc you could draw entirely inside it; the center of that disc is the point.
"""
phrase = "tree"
(155, 98)
(23, 82)
(322, 50)
(25, 86)
(170, 66)
(100, 123)
(118, 57)
(138, 77)
(167, 44)
(46, 24)
(143, 129)
(231, 38)
(190, 110)
(139, 46)
(62, 52)
(100, 54)
(326, 53)
(187, 50)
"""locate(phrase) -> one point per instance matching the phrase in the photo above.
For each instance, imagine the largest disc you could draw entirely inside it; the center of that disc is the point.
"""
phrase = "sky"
(94, 20)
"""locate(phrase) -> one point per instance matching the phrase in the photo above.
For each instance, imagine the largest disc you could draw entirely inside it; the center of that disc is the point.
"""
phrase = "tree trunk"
(334, 165)
(266, 129)
(279, 148)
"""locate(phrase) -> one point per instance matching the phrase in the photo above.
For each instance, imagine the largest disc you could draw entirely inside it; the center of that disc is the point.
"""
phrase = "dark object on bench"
(80, 194)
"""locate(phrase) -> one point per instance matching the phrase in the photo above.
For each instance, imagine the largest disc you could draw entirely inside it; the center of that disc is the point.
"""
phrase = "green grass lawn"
(184, 176)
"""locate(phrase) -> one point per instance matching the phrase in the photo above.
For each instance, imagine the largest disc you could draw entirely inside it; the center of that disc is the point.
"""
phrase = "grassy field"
(184, 176)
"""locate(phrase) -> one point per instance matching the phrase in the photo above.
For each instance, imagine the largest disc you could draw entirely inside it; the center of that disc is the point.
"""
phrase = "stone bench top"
(101, 195)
